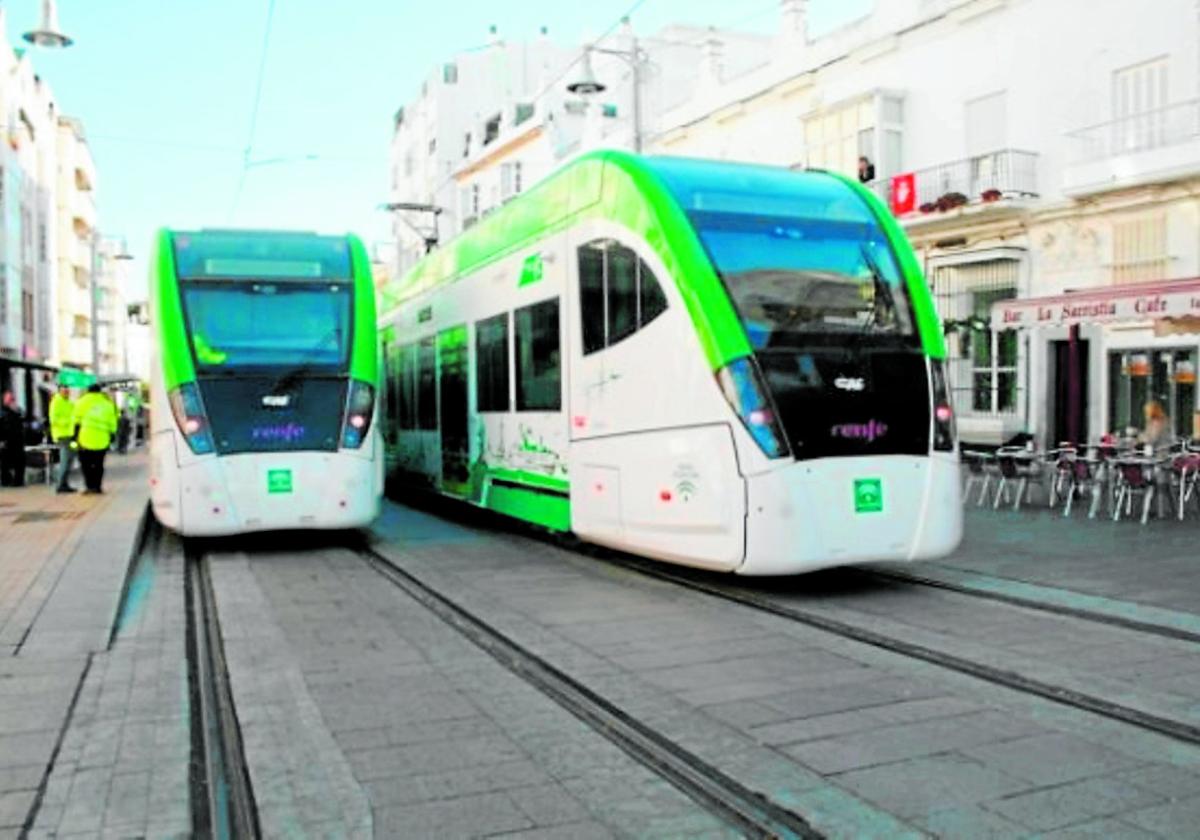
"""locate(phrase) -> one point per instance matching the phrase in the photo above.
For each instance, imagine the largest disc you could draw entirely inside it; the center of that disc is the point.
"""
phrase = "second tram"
(264, 380)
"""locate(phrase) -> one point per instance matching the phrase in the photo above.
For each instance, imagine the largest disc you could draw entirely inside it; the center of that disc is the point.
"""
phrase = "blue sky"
(166, 91)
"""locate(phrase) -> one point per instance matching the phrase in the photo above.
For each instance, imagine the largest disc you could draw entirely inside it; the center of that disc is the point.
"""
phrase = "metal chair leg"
(1097, 493)
(1149, 492)
(1022, 484)
(1120, 503)
(1001, 490)
(1070, 499)
(983, 490)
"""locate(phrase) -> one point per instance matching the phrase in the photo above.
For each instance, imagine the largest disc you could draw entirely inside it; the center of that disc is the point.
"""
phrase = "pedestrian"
(1158, 431)
(62, 432)
(95, 423)
(123, 432)
(12, 442)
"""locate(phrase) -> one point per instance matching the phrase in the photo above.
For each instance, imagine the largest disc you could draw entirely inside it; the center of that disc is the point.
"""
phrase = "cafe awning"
(1172, 304)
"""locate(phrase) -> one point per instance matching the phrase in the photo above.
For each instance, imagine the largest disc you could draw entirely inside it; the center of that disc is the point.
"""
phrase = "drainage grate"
(44, 516)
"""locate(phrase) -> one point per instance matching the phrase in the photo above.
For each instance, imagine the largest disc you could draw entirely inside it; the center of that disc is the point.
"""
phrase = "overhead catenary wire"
(258, 88)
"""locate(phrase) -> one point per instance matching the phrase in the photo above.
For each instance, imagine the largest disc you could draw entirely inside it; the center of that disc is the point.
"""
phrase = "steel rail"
(1170, 727)
(221, 793)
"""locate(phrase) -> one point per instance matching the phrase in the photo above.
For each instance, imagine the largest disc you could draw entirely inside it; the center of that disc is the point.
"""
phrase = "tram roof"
(651, 196)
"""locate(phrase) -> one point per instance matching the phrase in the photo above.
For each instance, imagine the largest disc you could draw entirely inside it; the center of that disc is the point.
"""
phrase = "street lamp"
(48, 34)
(123, 254)
(429, 238)
(587, 84)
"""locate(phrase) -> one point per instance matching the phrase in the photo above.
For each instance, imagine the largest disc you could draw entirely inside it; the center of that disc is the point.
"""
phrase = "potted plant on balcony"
(928, 207)
(951, 200)
(991, 195)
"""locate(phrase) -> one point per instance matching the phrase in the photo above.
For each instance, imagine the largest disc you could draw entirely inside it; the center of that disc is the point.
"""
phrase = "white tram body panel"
(657, 462)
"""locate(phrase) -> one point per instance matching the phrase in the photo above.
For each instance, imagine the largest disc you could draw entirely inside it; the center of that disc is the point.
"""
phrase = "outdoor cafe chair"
(1087, 475)
(1184, 477)
(1135, 475)
(1019, 466)
(1063, 461)
(978, 474)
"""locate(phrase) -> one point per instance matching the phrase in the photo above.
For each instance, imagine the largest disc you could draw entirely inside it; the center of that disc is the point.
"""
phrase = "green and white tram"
(264, 380)
(728, 366)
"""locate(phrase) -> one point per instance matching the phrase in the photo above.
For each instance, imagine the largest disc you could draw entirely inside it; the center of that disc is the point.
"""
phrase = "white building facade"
(76, 223)
(493, 122)
(1032, 149)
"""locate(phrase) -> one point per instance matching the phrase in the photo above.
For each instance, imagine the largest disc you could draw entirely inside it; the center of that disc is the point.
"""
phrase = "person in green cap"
(62, 432)
(95, 423)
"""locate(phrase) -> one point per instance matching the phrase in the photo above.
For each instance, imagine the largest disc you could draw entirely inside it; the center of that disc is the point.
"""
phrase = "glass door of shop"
(1139, 377)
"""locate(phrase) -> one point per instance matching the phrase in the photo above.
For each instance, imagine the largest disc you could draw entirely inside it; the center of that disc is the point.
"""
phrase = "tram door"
(452, 399)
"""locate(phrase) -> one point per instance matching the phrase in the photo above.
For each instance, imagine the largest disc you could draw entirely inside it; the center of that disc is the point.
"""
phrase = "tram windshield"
(790, 278)
(247, 326)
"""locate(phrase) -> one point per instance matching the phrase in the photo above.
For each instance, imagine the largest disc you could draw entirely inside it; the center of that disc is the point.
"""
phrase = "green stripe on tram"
(540, 499)
(625, 191)
(177, 366)
(364, 355)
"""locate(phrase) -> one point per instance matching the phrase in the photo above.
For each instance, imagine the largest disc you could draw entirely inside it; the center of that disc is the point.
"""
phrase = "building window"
(986, 124)
(618, 294)
(983, 364)
(467, 144)
(432, 145)
(427, 415)
(510, 180)
(539, 380)
(834, 139)
(1140, 249)
(1139, 106)
(491, 364)
(450, 74)
(491, 129)
(1165, 376)
(524, 111)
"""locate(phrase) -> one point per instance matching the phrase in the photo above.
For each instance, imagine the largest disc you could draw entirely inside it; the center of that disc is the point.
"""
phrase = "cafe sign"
(1112, 304)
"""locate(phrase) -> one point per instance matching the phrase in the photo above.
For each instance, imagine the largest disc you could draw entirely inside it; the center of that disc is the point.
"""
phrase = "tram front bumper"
(235, 494)
(841, 511)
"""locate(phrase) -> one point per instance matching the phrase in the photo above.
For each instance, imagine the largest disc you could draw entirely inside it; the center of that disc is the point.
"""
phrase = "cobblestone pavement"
(63, 564)
(774, 703)
(1148, 566)
(416, 731)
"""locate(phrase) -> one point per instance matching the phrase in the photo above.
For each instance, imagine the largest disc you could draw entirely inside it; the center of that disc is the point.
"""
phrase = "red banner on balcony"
(904, 193)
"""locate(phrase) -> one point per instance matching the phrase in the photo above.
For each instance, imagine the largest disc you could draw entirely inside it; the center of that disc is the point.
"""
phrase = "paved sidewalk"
(1145, 572)
(63, 564)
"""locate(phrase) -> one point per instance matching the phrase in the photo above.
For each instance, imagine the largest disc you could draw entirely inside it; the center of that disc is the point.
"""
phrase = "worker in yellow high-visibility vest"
(95, 423)
(62, 432)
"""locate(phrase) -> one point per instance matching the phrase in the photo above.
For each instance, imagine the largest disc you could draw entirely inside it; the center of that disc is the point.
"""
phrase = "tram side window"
(427, 417)
(591, 296)
(539, 377)
(618, 294)
(491, 364)
(407, 377)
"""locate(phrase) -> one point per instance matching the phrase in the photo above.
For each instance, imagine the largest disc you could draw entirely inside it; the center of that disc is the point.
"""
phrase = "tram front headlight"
(191, 418)
(943, 408)
(360, 407)
(747, 394)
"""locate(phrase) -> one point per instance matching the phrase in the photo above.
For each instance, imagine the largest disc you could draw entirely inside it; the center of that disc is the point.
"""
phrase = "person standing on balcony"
(866, 170)
(62, 432)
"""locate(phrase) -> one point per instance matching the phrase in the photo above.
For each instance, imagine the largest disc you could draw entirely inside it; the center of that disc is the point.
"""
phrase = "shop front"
(1109, 357)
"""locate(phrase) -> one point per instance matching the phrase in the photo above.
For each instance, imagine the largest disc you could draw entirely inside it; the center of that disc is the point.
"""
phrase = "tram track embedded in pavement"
(1149, 627)
(1159, 724)
(221, 792)
(747, 810)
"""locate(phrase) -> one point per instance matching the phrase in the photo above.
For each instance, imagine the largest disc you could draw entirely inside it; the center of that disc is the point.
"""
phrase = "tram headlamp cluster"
(744, 389)
(943, 409)
(191, 418)
(360, 407)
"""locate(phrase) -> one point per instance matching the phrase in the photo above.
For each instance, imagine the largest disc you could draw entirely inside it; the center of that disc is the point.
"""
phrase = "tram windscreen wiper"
(882, 290)
(306, 363)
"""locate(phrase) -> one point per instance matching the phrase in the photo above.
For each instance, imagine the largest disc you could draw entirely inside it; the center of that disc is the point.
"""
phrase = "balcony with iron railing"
(993, 180)
(1146, 148)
